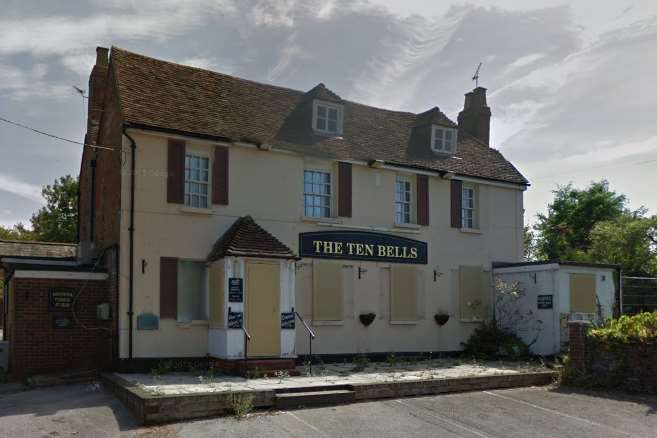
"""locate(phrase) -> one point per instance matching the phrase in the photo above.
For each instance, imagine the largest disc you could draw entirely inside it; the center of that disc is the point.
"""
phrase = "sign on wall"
(60, 298)
(235, 290)
(62, 321)
(287, 320)
(362, 245)
(235, 320)
(544, 301)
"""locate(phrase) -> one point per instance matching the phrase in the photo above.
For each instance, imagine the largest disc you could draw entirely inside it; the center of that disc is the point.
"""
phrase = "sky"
(572, 85)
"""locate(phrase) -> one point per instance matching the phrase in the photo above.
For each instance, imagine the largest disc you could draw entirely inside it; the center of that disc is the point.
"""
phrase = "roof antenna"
(476, 75)
(83, 94)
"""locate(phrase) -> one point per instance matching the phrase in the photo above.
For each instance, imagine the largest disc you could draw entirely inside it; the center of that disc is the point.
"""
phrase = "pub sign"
(362, 245)
(60, 298)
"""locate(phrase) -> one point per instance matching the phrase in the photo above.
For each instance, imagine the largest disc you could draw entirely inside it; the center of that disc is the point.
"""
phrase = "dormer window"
(327, 118)
(443, 139)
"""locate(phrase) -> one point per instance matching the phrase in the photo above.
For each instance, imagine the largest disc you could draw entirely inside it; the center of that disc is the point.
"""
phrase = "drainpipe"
(131, 234)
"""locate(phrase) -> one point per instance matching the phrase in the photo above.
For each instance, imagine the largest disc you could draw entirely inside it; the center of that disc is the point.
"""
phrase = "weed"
(281, 374)
(392, 360)
(241, 404)
(360, 363)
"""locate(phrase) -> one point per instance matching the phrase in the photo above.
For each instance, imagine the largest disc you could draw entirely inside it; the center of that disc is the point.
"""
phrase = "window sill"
(409, 226)
(470, 321)
(327, 323)
(186, 324)
(470, 230)
(199, 211)
(330, 220)
(403, 322)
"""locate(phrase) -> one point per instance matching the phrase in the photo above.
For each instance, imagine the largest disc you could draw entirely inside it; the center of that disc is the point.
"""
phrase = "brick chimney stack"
(97, 83)
(474, 119)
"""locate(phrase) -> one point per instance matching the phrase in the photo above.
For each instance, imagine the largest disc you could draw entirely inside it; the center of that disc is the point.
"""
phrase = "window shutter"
(456, 189)
(220, 176)
(168, 287)
(344, 189)
(176, 172)
(422, 183)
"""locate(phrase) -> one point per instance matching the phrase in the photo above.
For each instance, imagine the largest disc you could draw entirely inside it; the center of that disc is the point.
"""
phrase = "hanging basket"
(367, 318)
(441, 318)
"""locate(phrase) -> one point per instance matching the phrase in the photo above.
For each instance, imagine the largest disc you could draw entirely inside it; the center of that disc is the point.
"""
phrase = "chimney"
(475, 117)
(97, 83)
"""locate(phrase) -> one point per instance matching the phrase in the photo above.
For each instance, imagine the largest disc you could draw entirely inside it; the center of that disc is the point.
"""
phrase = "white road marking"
(446, 420)
(305, 423)
(552, 411)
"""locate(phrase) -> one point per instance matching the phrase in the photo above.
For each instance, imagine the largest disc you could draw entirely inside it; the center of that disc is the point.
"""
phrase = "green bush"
(641, 327)
(490, 342)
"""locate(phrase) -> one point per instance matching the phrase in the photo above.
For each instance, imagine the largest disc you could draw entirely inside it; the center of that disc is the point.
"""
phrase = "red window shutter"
(422, 183)
(176, 172)
(456, 189)
(168, 287)
(344, 189)
(220, 176)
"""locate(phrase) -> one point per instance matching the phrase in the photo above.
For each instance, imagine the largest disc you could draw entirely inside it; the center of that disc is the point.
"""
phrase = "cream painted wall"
(268, 185)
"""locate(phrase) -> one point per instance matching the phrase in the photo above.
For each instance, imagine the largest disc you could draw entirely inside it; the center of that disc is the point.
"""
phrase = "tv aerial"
(475, 78)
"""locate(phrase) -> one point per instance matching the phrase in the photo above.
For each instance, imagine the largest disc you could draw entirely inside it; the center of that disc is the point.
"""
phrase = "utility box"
(103, 312)
(551, 294)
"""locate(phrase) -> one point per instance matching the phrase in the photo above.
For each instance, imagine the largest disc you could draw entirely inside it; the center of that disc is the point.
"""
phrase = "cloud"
(20, 188)
(21, 84)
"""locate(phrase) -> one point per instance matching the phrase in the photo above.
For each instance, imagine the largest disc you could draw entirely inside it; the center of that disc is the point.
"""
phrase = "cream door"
(262, 309)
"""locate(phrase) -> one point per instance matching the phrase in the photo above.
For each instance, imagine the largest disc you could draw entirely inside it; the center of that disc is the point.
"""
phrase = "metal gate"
(638, 294)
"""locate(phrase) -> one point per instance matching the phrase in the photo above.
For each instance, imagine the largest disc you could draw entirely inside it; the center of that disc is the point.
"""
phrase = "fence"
(638, 294)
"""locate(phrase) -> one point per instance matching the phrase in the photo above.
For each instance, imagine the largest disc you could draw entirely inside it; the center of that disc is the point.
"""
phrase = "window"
(192, 291)
(474, 293)
(468, 204)
(403, 293)
(316, 193)
(327, 118)
(196, 181)
(327, 291)
(402, 200)
(443, 139)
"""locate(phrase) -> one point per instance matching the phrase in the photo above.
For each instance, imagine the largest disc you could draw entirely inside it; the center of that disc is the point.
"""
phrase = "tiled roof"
(245, 238)
(30, 249)
(162, 95)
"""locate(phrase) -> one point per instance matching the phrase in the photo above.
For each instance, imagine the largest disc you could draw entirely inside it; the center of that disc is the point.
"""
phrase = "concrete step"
(296, 400)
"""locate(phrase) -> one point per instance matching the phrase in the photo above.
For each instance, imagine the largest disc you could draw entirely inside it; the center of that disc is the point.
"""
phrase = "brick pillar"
(577, 331)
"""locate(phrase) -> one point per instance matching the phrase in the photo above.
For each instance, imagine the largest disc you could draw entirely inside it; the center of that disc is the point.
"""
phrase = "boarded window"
(327, 292)
(403, 293)
(216, 292)
(474, 293)
(582, 293)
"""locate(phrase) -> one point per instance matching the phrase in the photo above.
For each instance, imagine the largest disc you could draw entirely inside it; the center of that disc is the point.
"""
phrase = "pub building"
(236, 218)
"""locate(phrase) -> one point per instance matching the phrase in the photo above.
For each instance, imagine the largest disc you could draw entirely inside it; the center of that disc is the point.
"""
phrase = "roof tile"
(162, 95)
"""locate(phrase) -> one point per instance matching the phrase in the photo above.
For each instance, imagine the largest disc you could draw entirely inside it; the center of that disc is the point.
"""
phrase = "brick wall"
(629, 366)
(577, 331)
(107, 199)
(38, 348)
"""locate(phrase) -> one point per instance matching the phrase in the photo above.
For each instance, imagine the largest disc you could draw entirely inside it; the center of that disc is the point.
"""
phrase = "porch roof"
(245, 238)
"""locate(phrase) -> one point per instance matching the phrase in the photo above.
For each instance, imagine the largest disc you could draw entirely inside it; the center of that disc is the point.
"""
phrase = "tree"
(529, 244)
(57, 221)
(630, 242)
(17, 232)
(565, 231)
